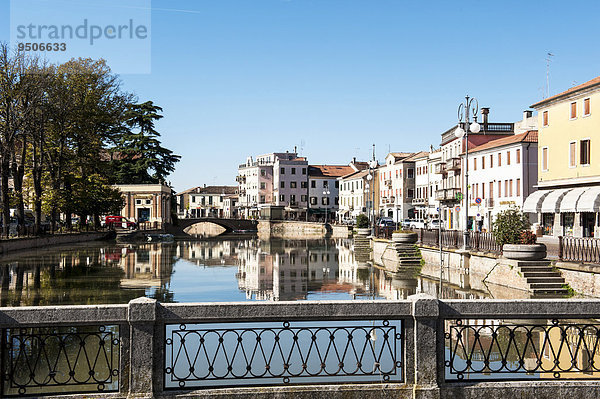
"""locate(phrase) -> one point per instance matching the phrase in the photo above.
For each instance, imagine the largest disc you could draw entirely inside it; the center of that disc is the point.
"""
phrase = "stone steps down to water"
(543, 281)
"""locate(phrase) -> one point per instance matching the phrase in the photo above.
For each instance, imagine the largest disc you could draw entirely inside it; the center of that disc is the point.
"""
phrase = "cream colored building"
(568, 198)
(146, 203)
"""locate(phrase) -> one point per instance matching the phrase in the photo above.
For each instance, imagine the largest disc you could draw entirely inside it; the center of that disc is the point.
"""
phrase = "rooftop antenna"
(302, 144)
(549, 56)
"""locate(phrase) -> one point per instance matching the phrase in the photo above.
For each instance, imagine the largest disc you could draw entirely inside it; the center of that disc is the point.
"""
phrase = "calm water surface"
(230, 269)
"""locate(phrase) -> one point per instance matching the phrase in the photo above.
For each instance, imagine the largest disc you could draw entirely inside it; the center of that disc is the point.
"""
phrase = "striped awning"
(589, 200)
(571, 199)
(551, 204)
(533, 203)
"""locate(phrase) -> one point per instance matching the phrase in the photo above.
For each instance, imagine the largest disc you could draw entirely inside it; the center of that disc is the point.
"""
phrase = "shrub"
(527, 237)
(362, 221)
(509, 227)
(403, 231)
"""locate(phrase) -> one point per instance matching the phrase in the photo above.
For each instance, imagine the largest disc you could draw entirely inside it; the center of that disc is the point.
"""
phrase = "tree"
(139, 156)
(509, 226)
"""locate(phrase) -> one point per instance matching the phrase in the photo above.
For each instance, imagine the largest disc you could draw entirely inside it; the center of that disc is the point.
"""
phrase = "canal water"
(216, 270)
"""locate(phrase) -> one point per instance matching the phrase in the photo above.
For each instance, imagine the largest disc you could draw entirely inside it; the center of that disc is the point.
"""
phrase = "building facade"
(567, 202)
(323, 190)
(204, 201)
(397, 186)
(146, 203)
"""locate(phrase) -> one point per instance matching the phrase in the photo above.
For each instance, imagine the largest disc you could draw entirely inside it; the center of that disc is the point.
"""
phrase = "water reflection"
(206, 270)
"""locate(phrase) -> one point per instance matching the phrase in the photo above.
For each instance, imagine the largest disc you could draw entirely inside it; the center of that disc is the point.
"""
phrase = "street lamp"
(326, 192)
(464, 127)
(372, 166)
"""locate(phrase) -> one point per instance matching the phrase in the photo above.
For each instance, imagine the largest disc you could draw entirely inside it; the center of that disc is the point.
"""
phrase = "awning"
(533, 203)
(551, 203)
(570, 200)
(589, 200)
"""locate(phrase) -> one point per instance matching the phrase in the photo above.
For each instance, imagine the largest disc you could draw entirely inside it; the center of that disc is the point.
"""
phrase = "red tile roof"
(329, 170)
(589, 83)
(530, 136)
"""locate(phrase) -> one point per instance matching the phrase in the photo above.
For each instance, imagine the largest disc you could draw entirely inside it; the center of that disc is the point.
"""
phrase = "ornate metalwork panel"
(237, 354)
(42, 361)
(494, 350)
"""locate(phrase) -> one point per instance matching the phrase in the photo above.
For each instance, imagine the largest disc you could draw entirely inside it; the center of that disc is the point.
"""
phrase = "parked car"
(417, 224)
(385, 222)
(433, 224)
(119, 222)
(406, 223)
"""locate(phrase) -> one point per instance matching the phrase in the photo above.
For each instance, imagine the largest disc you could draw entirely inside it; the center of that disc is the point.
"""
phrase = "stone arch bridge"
(184, 226)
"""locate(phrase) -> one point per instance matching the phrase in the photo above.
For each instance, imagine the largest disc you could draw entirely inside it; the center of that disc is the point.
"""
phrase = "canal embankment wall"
(469, 270)
(20, 244)
(300, 230)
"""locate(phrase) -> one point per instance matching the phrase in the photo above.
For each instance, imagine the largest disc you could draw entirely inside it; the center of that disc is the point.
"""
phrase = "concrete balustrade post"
(426, 338)
(141, 316)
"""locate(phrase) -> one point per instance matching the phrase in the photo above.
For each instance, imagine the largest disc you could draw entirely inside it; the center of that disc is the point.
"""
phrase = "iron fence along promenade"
(577, 249)
(411, 348)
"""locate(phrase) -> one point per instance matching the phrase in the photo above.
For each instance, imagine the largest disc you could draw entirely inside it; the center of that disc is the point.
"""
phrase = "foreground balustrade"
(415, 348)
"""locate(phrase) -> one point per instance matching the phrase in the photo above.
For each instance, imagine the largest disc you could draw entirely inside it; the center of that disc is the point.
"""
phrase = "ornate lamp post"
(372, 166)
(470, 106)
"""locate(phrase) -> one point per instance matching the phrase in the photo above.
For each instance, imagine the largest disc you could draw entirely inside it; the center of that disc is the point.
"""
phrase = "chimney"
(204, 185)
(527, 114)
(295, 149)
(485, 111)
(354, 160)
(430, 147)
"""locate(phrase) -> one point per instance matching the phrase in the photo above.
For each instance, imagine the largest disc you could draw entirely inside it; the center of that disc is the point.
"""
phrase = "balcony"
(453, 164)
(388, 182)
(440, 168)
(419, 201)
(241, 179)
(448, 194)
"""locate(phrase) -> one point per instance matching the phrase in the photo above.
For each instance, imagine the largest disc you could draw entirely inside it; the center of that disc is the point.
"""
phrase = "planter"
(363, 231)
(405, 238)
(524, 251)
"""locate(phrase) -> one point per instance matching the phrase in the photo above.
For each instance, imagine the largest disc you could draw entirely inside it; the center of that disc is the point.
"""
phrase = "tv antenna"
(302, 144)
(549, 56)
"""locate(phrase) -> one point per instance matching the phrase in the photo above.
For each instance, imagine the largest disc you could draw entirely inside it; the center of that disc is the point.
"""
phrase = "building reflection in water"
(278, 270)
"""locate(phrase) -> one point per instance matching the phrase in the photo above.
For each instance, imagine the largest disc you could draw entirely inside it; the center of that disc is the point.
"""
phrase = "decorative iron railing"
(478, 241)
(576, 249)
(544, 350)
(284, 353)
(42, 361)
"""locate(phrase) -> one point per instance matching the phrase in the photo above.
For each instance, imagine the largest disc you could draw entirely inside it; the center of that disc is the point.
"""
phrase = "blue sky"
(245, 77)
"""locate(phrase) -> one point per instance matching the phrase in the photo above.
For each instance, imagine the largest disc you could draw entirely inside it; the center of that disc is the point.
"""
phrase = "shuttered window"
(586, 107)
(573, 110)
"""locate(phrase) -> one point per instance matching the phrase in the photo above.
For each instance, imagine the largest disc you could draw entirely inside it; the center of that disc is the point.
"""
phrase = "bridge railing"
(416, 347)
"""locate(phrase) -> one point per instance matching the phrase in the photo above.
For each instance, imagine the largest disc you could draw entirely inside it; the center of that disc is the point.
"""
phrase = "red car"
(119, 222)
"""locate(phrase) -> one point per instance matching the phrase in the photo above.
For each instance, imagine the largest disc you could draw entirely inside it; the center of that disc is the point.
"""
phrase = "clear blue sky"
(245, 77)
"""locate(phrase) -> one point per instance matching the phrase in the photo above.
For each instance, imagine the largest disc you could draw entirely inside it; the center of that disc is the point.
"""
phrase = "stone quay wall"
(144, 341)
(18, 244)
(300, 230)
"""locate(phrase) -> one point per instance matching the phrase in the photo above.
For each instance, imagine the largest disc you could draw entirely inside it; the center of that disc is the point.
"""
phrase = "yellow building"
(568, 200)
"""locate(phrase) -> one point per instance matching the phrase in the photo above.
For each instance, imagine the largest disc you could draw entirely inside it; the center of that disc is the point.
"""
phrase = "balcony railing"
(453, 164)
(448, 194)
(440, 168)
(419, 201)
(388, 182)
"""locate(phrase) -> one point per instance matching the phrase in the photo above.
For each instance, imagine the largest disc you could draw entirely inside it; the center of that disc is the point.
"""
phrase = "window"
(410, 192)
(410, 173)
(475, 164)
(573, 110)
(572, 154)
(482, 162)
(263, 172)
(508, 157)
(293, 171)
(303, 198)
(491, 190)
(506, 188)
(262, 199)
(313, 184)
(263, 186)
(491, 160)
(518, 188)
(545, 158)
(584, 152)
(586, 107)
(510, 188)
(545, 118)
(283, 171)
(499, 159)
(303, 184)
(282, 198)
(313, 200)
(499, 188)
(292, 199)
(139, 202)
(325, 200)
(325, 184)
(337, 184)
(293, 184)
(303, 171)
(482, 190)
(282, 184)
(518, 155)
(210, 200)
(337, 200)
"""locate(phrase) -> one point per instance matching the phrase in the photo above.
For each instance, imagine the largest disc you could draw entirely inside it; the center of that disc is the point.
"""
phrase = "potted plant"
(512, 230)
(362, 225)
(404, 237)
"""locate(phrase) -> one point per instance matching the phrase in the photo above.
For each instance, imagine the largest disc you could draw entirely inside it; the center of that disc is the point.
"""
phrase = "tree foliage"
(509, 226)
